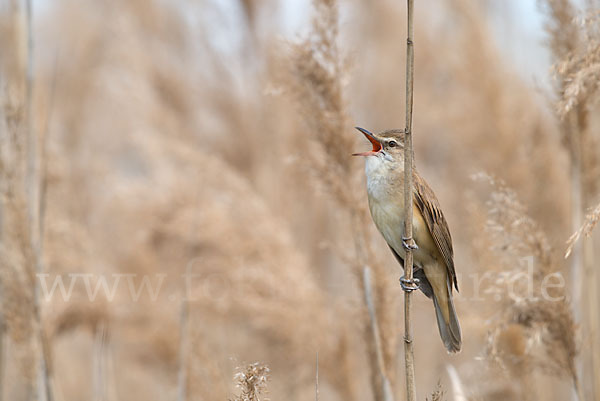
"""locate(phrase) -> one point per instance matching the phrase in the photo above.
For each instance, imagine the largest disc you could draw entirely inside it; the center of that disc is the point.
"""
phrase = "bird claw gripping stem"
(409, 244)
(409, 285)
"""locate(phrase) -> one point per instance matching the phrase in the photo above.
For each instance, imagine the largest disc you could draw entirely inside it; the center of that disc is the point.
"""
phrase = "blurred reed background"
(148, 141)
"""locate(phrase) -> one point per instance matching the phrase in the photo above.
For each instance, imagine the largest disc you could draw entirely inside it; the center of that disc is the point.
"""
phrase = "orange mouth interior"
(376, 145)
(374, 142)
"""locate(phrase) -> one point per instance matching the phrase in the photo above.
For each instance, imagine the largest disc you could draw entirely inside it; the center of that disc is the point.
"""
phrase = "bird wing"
(430, 208)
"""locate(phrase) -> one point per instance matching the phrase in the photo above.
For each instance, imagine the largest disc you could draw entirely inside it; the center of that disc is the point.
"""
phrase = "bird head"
(388, 145)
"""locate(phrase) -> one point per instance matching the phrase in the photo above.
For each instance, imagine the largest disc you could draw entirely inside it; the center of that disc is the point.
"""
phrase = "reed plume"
(316, 75)
(537, 331)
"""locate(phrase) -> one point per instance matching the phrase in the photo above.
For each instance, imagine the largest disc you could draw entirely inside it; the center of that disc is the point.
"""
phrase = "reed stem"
(408, 190)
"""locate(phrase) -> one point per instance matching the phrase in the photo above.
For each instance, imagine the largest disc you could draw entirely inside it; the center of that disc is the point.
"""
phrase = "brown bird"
(433, 255)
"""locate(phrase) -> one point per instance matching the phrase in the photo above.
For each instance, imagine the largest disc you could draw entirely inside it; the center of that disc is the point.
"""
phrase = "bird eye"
(392, 144)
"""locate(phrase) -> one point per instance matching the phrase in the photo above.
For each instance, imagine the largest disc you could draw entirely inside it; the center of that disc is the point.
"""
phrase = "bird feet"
(409, 244)
(409, 285)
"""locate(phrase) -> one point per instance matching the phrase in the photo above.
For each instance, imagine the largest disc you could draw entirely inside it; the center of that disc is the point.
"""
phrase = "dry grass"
(574, 43)
(316, 73)
(175, 144)
(586, 229)
(252, 382)
(536, 331)
(18, 257)
(579, 68)
(437, 394)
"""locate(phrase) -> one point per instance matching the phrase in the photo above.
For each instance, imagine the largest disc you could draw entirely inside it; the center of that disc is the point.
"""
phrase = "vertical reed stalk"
(408, 189)
(31, 181)
(99, 364)
(593, 315)
(34, 203)
(317, 379)
(577, 265)
(183, 344)
(2, 329)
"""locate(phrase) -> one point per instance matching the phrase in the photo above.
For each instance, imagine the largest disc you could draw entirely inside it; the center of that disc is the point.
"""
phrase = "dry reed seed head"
(437, 394)
(315, 79)
(514, 234)
(579, 73)
(561, 27)
(535, 334)
(533, 330)
(591, 220)
(552, 335)
(252, 381)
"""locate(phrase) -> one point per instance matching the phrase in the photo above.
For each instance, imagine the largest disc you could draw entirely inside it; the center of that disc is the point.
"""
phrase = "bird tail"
(447, 320)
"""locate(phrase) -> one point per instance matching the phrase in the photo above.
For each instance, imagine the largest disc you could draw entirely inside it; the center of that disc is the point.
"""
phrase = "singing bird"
(433, 255)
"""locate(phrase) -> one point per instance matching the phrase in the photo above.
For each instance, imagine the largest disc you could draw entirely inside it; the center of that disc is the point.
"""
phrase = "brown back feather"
(426, 201)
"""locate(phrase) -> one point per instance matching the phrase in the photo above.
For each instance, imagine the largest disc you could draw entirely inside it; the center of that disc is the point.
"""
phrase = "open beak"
(374, 142)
